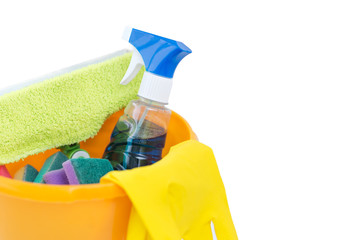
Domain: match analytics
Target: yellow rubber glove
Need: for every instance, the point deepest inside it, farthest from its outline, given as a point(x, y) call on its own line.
point(178, 197)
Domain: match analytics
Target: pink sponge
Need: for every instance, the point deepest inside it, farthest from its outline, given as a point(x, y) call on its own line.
point(4, 172)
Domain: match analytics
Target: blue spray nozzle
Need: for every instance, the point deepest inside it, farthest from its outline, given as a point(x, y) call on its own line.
point(160, 56)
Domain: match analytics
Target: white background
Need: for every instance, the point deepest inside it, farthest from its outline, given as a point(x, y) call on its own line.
point(272, 86)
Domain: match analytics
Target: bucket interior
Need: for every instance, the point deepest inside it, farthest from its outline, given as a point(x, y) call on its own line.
point(178, 131)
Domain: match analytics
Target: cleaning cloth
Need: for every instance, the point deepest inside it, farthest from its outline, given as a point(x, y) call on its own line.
point(177, 197)
point(63, 108)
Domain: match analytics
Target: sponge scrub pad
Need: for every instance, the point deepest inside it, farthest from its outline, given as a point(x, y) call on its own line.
point(27, 173)
point(54, 162)
point(86, 170)
point(64, 109)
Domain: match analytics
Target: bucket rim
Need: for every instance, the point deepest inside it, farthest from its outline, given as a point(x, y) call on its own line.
point(59, 193)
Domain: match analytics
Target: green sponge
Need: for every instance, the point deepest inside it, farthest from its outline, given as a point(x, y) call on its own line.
point(27, 173)
point(63, 109)
point(86, 170)
point(54, 162)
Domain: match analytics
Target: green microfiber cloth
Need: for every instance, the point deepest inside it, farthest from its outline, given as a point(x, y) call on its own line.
point(63, 109)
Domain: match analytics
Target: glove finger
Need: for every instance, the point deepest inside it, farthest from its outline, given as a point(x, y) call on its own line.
point(225, 228)
point(148, 237)
point(136, 229)
point(202, 232)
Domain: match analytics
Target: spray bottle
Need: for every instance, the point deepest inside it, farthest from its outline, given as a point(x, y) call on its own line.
point(139, 136)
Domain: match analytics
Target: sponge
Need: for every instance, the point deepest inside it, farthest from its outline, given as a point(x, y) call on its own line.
point(54, 162)
point(64, 108)
point(86, 170)
point(4, 172)
point(56, 177)
point(27, 173)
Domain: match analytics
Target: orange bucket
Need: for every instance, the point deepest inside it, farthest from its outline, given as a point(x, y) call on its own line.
point(31, 211)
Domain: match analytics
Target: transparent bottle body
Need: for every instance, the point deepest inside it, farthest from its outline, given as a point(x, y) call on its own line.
point(139, 136)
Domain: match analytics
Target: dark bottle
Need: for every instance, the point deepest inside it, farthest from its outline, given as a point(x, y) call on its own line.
point(139, 136)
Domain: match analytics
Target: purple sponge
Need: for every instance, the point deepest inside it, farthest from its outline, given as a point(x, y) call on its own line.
point(56, 177)
point(86, 170)
point(70, 173)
